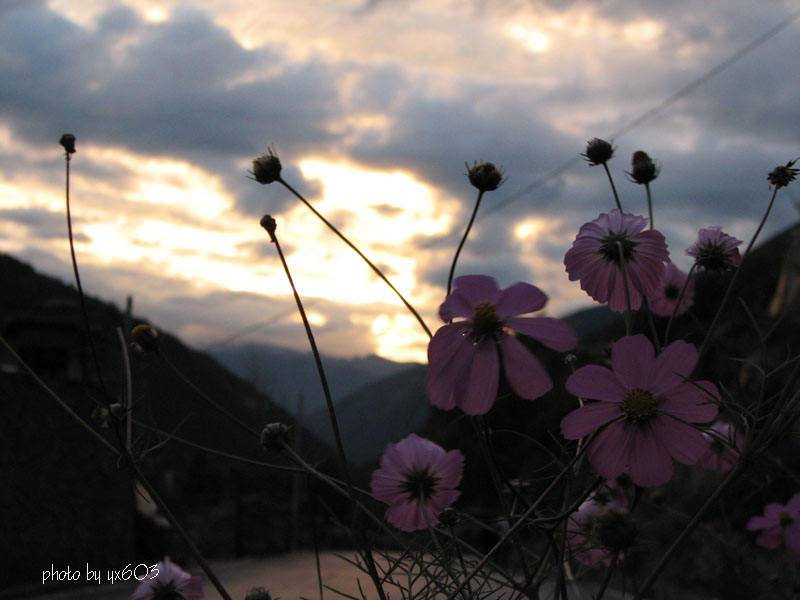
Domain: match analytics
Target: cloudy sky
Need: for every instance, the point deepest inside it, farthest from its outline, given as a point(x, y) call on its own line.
point(374, 107)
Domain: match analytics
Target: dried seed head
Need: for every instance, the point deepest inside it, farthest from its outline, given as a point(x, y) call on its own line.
point(268, 223)
point(267, 168)
point(782, 175)
point(258, 593)
point(615, 529)
point(598, 152)
point(485, 176)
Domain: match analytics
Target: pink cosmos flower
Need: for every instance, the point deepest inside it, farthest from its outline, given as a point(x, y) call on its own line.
point(463, 356)
point(647, 406)
point(715, 250)
point(722, 456)
point(168, 581)
point(669, 288)
point(610, 498)
point(595, 259)
point(416, 479)
point(780, 524)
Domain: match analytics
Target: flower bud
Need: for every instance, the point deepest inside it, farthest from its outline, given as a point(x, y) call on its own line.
point(598, 152)
point(484, 176)
point(275, 435)
point(144, 338)
point(267, 168)
point(268, 223)
point(782, 175)
point(258, 593)
point(68, 141)
point(615, 529)
point(644, 170)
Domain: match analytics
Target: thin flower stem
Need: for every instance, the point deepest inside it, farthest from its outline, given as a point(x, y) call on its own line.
point(628, 324)
point(677, 304)
point(201, 561)
point(332, 412)
point(728, 291)
point(609, 574)
point(649, 203)
point(613, 187)
point(81, 296)
point(520, 522)
point(377, 271)
point(128, 403)
point(461, 243)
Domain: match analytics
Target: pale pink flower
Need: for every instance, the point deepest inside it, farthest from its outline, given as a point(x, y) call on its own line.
point(669, 288)
point(715, 250)
point(646, 406)
point(418, 480)
point(722, 455)
point(463, 355)
point(168, 581)
point(779, 525)
point(595, 259)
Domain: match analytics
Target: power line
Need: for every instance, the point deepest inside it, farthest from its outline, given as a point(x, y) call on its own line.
point(635, 122)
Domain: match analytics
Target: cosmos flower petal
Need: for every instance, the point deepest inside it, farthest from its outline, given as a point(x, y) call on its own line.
point(632, 358)
point(672, 366)
point(692, 402)
point(170, 574)
point(584, 420)
point(477, 288)
point(650, 463)
point(610, 449)
point(524, 372)
point(519, 299)
point(553, 333)
point(597, 383)
point(683, 442)
point(482, 383)
point(770, 538)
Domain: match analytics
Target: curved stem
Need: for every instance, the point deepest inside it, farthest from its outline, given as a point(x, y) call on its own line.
point(81, 296)
point(677, 305)
point(628, 324)
point(377, 271)
point(728, 291)
point(613, 187)
point(461, 243)
point(649, 204)
point(334, 423)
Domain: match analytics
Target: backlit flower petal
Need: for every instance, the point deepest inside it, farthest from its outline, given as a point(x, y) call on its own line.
point(553, 333)
point(610, 450)
point(632, 358)
point(519, 299)
point(584, 420)
point(672, 366)
point(524, 372)
point(484, 374)
point(596, 383)
point(649, 462)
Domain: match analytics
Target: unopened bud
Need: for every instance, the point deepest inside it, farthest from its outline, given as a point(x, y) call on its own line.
point(144, 338)
point(643, 170)
point(598, 152)
point(267, 168)
point(484, 176)
point(268, 223)
point(275, 435)
point(449, 517)
point(68, 141)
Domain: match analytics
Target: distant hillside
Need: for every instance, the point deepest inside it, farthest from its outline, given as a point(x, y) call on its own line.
point(376, 414)
point(284, 374)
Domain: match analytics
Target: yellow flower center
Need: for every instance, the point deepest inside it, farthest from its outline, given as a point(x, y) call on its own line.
point(639, 405)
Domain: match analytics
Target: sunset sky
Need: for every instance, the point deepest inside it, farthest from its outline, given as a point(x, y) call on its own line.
point(374, 107)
